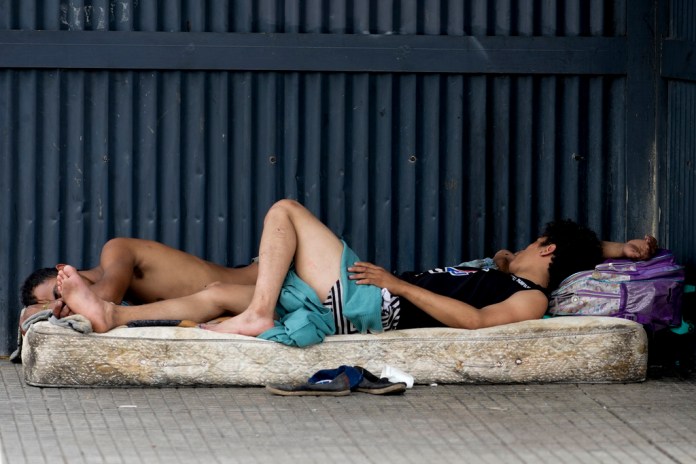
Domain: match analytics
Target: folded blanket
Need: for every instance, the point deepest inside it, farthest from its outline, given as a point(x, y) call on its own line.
point(76, 322)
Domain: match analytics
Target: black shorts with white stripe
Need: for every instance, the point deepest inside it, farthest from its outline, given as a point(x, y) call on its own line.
point(391, 308)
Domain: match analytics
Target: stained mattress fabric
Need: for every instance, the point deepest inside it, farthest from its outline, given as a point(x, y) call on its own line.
point(573, 349)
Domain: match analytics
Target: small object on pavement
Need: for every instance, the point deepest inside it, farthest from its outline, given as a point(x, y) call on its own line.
point(339, 386)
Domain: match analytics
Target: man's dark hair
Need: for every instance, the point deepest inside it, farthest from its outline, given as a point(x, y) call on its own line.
point(577, 249)
point(35, 279)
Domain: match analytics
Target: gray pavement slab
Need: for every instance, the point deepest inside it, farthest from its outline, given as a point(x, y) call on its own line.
point(647, 422)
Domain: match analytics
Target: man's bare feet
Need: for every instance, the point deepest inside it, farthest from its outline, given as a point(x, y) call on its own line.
point(247, 323)
point(81, 300)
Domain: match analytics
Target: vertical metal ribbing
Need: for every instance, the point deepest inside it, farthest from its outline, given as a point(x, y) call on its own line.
point(121, 153)
point(475, 135)
point(569, 150)
point(146, 135)
point(502, 18)
point(420, 165)
point(97, 182)
point(616, 161)
point(312, 13)
point(618, 24)
point(546, 104)
point(49, 182)
point(383, 124)
point(546, 188)
point(597, 16)
point(240, 176)
point(29, 185)
point(681, 171)
point(451, 168)
point(312, 134)
point(475, 144)
point(146, 168)
point(413, 170)
point(7, 12)
point(311, 145)
point(336, 140)
point(264, 136)
point(382, 174)
point(217, 147)
point(500, 181)
point(382, 17)
point(9, 184)
point(358, 172)
point(28, 221)
point(193, 143)
point(596, 135)
point(523, 155)
point(334, 188)
point(410, 191)
point(289, 152)
point(72, 165)
point(169, 182)
point(597, 180)
point(264, 128)
point(193, 161)
point(428, 149)
point(522, 163)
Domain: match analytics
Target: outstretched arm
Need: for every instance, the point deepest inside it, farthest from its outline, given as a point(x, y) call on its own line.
point(637, 249)
point(454, 313)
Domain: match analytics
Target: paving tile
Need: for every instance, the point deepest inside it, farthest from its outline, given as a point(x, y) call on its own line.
point(653, 421)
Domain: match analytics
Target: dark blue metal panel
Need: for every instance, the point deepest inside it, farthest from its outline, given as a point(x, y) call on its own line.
point(414, 169)
point(682, 19)
point(677, 170)
point(680, 172)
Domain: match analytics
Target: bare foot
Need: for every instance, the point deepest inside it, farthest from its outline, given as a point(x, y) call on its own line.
point(247, 323)
point(82, 300)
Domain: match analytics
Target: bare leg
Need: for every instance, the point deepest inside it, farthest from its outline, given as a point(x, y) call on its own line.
point(203, 306)
point(290, 233)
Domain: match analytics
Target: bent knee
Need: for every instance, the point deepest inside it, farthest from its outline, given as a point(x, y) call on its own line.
point(286, 204)
point(286, 207)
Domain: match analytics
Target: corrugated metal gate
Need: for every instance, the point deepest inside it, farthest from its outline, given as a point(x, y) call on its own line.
point(678, 165)
point(423, 132)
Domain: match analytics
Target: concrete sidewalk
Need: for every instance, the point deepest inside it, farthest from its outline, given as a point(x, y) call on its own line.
point(649, 422)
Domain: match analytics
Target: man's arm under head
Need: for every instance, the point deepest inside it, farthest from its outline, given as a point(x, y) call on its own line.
point(636, 249)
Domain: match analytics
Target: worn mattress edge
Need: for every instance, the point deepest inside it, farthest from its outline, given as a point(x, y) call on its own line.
point(571, 349)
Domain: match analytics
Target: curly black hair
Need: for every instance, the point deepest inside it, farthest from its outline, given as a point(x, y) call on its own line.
point(35, 279)
point(577, 249)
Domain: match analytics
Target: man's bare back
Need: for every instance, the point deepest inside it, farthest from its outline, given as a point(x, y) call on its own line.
point(158, 272)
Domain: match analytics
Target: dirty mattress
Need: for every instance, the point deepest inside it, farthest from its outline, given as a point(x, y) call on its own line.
point(565, 349)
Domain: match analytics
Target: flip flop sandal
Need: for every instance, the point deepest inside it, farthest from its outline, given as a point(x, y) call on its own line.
point(374, 385)
point(338, 386)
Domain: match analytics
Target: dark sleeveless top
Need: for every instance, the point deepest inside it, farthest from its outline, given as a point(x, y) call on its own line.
point(477, 287)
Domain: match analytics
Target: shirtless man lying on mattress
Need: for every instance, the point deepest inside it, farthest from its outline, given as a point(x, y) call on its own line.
point(133, 270)
point(301, 260)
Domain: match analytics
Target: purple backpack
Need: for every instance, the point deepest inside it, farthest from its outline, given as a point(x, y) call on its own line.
point(648, 292)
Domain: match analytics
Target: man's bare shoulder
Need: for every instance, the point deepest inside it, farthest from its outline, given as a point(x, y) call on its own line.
point(137, 248)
